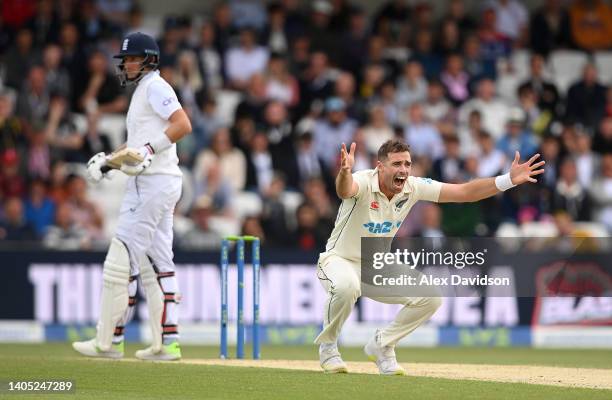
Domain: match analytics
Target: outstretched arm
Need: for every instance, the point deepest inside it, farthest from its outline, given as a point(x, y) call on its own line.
point(483, 188)
point(346, 187)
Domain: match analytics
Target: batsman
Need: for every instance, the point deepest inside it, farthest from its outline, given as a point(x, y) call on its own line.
point(141, 250)
point(387, 193)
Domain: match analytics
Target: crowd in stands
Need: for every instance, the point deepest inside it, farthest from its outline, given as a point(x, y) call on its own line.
point(274, 88)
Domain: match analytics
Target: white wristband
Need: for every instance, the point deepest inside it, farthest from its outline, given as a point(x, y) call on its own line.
point(504, 182)
point(161, 144)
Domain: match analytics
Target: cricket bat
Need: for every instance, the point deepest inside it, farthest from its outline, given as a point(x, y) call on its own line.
point(120, 157)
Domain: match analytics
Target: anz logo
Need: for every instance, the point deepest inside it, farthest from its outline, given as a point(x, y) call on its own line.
point(381, 227)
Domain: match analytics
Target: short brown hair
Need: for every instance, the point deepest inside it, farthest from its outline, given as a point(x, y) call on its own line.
point(392, 146)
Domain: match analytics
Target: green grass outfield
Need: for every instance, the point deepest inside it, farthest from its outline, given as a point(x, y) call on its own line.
point(141, 380)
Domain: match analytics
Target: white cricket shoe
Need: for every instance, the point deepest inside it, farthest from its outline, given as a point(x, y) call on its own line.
point(90, 349)
point(330, 359)
point(169, 352)
point(383, 356)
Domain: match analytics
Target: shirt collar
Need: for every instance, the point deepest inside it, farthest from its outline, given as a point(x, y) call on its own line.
point(149, 75)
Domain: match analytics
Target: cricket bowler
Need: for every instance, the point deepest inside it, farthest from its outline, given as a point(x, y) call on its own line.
point(387, 193)
point(142, 247)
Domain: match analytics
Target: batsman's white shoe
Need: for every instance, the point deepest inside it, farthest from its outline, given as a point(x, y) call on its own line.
point(169, 352)
point(90, 349)
point(330, 359)
point(383, 356)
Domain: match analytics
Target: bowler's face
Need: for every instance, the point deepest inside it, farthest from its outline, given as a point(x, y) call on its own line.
point(394, 171)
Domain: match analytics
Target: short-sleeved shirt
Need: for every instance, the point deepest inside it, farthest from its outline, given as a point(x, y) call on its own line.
point(371, 214)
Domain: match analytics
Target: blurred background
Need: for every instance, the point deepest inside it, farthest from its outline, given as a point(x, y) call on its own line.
point(272, 89)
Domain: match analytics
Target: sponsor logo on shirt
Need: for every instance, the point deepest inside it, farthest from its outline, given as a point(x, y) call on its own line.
point(374, 205)
point(381, 227)
point(168, 101)
point(427, 180)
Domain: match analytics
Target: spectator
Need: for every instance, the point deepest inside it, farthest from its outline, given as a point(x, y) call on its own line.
point(494, 44)
point(57, 188)
point(412, 85)
point(92, 24)
point(517, 138)
point(602, 143)
point(245, 60)
point(44, 24)
point(455, 79)
point(386, 98)
point(586, 100)
point(39, 208)
point(85, 213)
point(201, 236)
point(569, 195)
point(273, 211)
point(33, 101)
point(38, 156)
point(14, 226)
point(333, 130)
point(449, 168)
point(255, 100)
point(73, 56)
point(209, 59)
point(65, 234)
point(222, 23)
point(344, 88)
point(391, 19)
point(373, 78)
point(94, 141)
point(423, 137)
point(187, 79)
point(18, 59)
point(204, 120)
point(260, 164)
point(279, 130)
point(587, 161)
point(280, 84)
point(537, 120)
point(12, 135)
point(100, 91)
point(492, 161)
point(512, 20)
point(470, 135)
point(275, 33)
point(431, 222)
point(550, 150)
point(62, 134)
point(354, 41)
point(549, 28)
point(378, 130)
point(591, 24)
point(58, 80)
point(319, 30)
point(436, 107)
point(449, 39)
point(310, 234)
point(475, 64)
point(12, 182)
point(310, 165)
point(456, 12)
point(317, 82)
point(601, 193)
point(546, 92)
point(220, 171)
point(425, 54)
point(251, 226)
point(316, 195)
point(491, 108)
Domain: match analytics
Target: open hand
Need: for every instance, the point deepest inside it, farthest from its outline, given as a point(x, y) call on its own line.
point(521, 173)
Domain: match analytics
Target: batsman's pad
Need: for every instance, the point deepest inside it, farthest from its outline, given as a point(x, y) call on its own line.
point(115, 297)
point(155, 302)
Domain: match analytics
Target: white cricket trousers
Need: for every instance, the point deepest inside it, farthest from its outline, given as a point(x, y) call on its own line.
point(145, 227)
point(341, 279)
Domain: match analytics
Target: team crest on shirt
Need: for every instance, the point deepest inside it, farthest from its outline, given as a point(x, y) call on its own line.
point(400, 204)
point(374, 205)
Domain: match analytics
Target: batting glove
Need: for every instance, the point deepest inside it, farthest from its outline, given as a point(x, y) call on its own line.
point(94, 167)
point(147, 158)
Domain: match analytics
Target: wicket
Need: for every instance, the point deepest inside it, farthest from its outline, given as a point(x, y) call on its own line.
point(255, 260)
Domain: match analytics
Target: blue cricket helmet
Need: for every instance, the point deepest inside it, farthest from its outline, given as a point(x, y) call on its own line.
point(137, 44)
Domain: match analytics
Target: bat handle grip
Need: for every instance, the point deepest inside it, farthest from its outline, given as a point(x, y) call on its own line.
point(105, 169)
